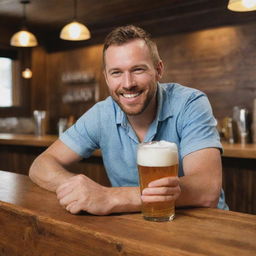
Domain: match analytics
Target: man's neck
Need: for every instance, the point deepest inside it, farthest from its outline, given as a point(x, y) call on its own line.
point(140, 123)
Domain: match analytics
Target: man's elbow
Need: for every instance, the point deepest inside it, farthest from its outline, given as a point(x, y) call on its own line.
point(210, 202)
point(211, 198)
point(33, 170)
point(36, 173)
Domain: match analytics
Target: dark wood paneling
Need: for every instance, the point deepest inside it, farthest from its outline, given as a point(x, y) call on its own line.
point(220, 62)
point(18, 159)
point(59, 64)
point(239, 183)
point(39, 83)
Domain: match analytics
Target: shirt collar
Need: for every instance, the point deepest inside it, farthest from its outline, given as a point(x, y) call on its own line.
point(162, 112)
point(165, 108)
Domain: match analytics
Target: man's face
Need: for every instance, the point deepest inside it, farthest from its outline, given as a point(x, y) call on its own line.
point(131, 76)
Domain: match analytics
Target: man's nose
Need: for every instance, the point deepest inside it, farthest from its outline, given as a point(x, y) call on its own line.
point(128, 80)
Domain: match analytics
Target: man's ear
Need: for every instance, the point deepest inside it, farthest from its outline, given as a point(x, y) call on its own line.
point(159, 69)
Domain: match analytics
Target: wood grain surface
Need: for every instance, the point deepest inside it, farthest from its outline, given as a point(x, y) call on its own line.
point(33, 223)
point(239, 150)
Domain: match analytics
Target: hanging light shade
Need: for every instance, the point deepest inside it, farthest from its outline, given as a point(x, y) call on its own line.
point(242, 5)
point(23, 38)
point(75, 31)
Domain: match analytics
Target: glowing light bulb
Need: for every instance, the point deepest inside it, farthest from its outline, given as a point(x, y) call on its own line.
point(27, 73)
point(74, 30)
point(24, 38)
point(249, 3)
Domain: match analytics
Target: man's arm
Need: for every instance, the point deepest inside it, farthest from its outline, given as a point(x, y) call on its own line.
point(78, 192)
point(200, 186)
point(48, 169)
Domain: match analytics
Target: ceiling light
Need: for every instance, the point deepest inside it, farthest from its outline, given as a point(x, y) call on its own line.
point(75, 31)
point(27, 73)
point(24, 38)
point(242, 5)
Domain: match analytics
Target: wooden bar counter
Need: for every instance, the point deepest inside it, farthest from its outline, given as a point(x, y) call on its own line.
point(17, 152)
point(33, 223)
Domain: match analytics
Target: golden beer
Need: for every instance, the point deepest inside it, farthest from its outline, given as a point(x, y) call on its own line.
point(157, 160)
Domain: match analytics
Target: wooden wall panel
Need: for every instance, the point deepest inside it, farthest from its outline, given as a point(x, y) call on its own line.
point(71, 62)
point(18, 158)
point(219, 61)
point(39, 83)
point(239, 176)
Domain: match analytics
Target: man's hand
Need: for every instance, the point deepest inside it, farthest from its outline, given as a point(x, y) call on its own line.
point(162, 190)
point(81, 193)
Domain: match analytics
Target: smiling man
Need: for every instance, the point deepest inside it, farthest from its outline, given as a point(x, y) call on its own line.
point(139, 109)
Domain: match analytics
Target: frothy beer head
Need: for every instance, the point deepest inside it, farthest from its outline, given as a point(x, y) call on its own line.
point(157, 153)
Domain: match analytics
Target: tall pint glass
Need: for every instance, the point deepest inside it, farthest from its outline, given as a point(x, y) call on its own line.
point(157, 159)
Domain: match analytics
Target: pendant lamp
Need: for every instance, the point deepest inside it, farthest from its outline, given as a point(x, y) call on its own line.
point(27, 73)
point(75, 31)
point(242, 5)
point(24, 38)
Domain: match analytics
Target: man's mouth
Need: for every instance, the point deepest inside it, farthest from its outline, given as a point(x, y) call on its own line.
point(130, 95)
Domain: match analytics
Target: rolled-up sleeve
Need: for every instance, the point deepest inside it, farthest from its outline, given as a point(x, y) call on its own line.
point(83, 136)
point(198, 125)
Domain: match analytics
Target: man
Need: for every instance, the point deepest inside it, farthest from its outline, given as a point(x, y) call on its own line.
point(139, 109)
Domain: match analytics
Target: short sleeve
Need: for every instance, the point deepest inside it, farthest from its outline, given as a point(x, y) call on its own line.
point(198, 125)
point(83, 137)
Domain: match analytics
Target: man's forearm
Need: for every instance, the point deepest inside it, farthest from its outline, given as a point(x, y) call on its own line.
point(200, 191)
point(46, 172)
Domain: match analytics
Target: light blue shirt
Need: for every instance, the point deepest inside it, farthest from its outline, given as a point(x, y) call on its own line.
point(184, 116)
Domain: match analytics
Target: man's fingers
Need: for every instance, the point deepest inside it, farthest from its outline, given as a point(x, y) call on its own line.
point(73, 207)
point(62, 187)
point(165, 182)
point(69, 198)
point(64, 192)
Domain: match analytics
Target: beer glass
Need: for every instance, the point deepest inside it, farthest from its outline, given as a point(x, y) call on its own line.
point(157, 159)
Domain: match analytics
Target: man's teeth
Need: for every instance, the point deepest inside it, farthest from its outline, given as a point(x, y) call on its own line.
point(131, 95)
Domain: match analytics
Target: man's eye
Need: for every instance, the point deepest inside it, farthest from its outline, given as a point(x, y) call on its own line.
point(138, 70)
point(115, 73)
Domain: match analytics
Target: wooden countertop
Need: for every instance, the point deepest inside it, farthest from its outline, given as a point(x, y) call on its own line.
point(26, 139)
point(31, 140)
point(239, 150)
point(230, 150)
point(33, 223)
